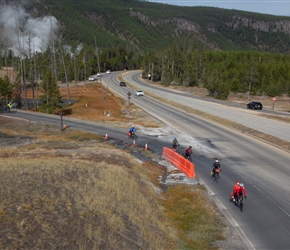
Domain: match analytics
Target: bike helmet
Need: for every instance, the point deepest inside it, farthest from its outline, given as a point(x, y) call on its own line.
point(190, 146)
point(242, 184)
point(238, 183)
point(216, 160)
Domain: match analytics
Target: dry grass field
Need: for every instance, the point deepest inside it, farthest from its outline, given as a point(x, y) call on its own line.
point(99, 105)
point(74, 191)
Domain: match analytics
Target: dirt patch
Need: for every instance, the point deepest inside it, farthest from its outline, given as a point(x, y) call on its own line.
point(96, 104)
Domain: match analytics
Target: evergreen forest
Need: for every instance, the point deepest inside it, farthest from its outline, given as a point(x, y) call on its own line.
point(224, 68)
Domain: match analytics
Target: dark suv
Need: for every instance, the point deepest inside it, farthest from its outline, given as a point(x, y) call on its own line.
point(255, 105)
point(123, 84)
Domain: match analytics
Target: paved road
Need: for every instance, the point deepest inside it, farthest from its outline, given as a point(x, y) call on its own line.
point(236, 113)
point(264, 169)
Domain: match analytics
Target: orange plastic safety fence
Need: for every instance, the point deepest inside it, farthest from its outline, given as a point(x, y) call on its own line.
point(179, 161)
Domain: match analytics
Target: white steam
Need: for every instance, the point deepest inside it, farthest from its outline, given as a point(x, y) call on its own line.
point(19, 29)
point(68, 49)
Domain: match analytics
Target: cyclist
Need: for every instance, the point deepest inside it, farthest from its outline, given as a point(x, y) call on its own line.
point(132, 130)
point(215, 166)
point(188, 152)
point(241, 192)
point(235, 190)
point(9, 106)
point(175, 143)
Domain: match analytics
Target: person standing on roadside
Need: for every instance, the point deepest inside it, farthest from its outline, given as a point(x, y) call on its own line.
point(9, 106)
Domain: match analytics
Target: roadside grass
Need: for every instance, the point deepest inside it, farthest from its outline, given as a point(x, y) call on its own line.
point(73, 190)
point(95, 104)
point(280, 118)
point(195, 219)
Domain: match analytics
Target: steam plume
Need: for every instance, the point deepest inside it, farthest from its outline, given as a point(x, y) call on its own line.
point(18, 26)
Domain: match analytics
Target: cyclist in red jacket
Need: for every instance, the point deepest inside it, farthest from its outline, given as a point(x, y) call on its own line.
point(242, 191)
point(188, 152)
point(235, 190)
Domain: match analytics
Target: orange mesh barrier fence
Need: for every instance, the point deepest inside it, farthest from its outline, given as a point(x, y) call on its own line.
point(179, 161)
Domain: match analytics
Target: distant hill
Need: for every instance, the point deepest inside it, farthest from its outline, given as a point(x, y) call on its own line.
point(146, 25)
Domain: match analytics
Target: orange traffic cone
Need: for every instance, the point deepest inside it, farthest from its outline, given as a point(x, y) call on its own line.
point(146, 147)
point(106, 137)
point(134, 143)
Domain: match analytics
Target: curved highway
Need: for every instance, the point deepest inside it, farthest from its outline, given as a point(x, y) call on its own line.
point(233, 112)
point(264, 169)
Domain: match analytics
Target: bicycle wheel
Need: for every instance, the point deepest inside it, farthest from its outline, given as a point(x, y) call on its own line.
point(241, 206)
point(216, 177)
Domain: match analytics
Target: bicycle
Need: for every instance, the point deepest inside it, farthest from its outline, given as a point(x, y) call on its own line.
point(187, 157)
point(11, 110)
point(175, 148)
point(216, 175)
point(132, 135)
point(239, 202)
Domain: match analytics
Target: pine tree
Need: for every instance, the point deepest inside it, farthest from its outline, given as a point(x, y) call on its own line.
point(51, 97)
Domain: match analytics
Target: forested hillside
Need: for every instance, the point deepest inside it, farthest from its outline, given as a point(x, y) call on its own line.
point(146, 25)
point(51, 41)
point(221, 72)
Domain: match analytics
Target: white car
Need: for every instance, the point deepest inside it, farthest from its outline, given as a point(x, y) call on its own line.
point(92, 78)
point(99, 74)
point(108, 72)
point(139, 93)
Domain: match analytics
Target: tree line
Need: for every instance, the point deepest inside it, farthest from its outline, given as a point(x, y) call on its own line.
point(41, 72)
point(220, 72)
point(184, 63)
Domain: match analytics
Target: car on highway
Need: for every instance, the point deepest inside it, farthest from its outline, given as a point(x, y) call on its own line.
point(99, 74)
point(255, 105)
point(122, 84)
point(139, 93)
point(108, 72)
point(92, 78)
